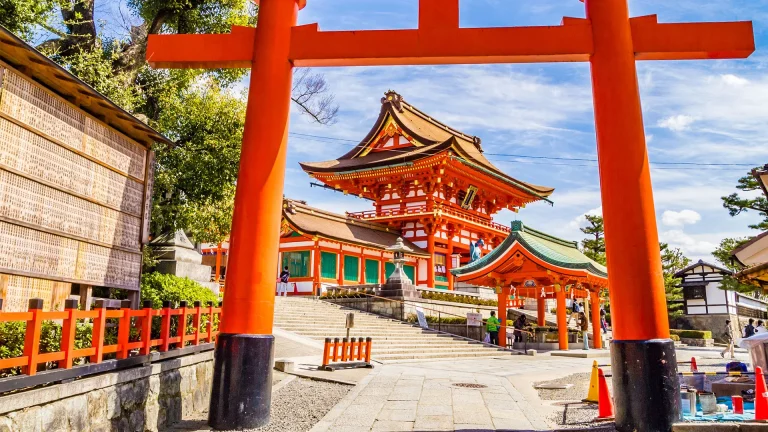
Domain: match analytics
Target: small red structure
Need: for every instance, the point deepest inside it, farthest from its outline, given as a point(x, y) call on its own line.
point(540, 266)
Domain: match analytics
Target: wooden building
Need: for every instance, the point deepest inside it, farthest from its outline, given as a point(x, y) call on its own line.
point(706, 306)
point(322, 249)
point(753, 255)
point(431, 183)
point(75, 184)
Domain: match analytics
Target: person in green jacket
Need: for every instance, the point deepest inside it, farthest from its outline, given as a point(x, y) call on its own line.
point(493, 325)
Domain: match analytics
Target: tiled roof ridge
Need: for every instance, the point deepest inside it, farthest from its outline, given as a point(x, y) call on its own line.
point(399, 100)
point(305, 208)
point(544, 236)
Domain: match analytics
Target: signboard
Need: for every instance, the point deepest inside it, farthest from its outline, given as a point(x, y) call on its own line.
point(474, 319)
point(421, 317)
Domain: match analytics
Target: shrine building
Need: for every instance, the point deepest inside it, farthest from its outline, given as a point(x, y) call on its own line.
point(533, 265)
point(429, 183)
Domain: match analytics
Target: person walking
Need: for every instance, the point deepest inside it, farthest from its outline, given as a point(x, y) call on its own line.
point(282, 285)
point(749, 329)
point(584, 324)
point(603, 321)
point(493, 325)
point(760, 328)
point(574, 312)
point(728, 336)
point(520, 324)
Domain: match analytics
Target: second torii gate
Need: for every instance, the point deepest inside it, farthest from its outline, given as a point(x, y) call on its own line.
point(607, 38)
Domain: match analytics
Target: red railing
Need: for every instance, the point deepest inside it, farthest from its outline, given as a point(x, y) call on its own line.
point(397, 212)
point(129, 319)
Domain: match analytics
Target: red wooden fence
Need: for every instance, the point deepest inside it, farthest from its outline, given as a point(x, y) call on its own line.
point(124, 348)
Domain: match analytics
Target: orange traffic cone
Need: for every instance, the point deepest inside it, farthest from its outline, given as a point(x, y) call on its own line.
point(694, 367)
point(605, 402)
point(761, 395)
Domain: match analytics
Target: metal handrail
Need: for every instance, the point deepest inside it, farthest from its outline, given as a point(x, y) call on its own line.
point(504, 325)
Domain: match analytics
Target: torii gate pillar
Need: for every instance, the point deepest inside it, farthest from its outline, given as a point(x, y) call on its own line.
point(642, 347)
point(242, 380)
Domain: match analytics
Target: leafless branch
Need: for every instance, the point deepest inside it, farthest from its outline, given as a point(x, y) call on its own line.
point(311, 93)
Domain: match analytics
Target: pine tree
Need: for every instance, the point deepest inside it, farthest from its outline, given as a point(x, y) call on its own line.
point(594, 248)
point(672, 261)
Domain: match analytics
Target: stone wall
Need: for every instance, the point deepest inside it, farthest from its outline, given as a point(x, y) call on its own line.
point(713, 322)
point(431, 307)
point(145, 398)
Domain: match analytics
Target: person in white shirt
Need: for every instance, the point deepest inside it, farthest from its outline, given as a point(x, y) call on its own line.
point(760, 328)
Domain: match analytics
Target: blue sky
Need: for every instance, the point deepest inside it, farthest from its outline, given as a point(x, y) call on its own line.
point(702, 112)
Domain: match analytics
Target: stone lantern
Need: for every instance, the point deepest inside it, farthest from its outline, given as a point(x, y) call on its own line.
point(398, 284)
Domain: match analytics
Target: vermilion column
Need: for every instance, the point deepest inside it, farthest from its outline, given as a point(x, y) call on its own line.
point(641, 346)
point(242, 382)
point(594, 300)
point(502, 315)
point(562, 320)
point(541, 311)
point(431, 262)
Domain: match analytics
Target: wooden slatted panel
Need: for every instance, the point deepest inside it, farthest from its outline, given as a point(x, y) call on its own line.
point(33, 203)
point(36, 107)
point(40, 159)
point(114, 149)
point(36, 253)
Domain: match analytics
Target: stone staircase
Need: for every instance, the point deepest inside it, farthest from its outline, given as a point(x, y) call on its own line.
point(393, 341)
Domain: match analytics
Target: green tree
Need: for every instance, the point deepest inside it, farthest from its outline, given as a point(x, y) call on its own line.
point(737, 204)
point(594, 248)
point(723, 252)
point(198, 109)
point(672, 261)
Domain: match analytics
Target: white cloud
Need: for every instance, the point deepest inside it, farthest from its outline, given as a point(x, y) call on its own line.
point(691, 246)
point(648, 138)
point(734, 80)
point(681, 218)
point(677, 123)
point(581, 219)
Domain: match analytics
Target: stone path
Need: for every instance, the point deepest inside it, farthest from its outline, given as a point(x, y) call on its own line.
point(434, 396)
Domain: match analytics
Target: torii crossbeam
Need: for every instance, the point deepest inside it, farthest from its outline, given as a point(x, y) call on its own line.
point(608, 38)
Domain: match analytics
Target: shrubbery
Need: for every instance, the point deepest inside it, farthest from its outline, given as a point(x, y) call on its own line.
point(159, 287)
point(692, 334)
point(447, 297)
point(675, 337)
point(433, 319)
point(154, 286)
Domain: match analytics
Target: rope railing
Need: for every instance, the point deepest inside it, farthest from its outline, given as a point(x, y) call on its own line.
point(503, 323)
point(130, 321)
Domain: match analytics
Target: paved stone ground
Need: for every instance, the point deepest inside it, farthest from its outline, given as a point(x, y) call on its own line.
point(426, 396)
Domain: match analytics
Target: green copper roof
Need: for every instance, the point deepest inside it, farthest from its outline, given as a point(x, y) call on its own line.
point(553, 250)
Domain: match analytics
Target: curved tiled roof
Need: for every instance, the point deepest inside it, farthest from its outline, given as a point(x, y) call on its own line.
point(550, 249)
point(433, 137)
point(315, 222)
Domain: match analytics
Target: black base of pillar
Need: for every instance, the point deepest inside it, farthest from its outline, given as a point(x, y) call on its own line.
point(646, 388)
point(242, 382)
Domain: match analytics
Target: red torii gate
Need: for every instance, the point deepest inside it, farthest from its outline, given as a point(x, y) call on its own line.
point(607, 38)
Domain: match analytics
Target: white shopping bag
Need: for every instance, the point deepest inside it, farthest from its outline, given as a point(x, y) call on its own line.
point(487, 338)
